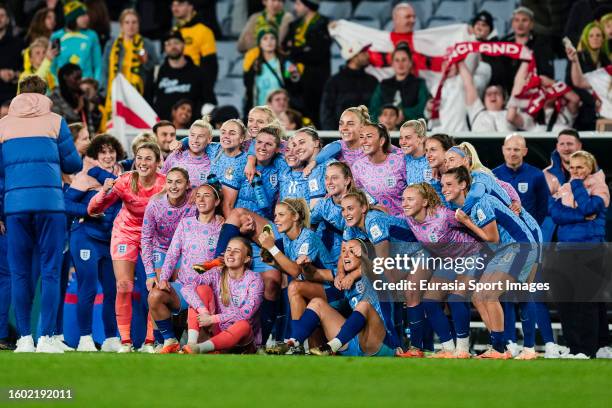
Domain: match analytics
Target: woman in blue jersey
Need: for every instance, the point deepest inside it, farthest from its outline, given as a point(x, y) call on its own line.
point(369, 223)
point(326, 217)
point(436, 146)
point(368, 330)
point(300, 245)
point(412, 142)
point(90, 243)
point(492, 222)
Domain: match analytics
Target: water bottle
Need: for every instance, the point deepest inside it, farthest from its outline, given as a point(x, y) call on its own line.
point(260, 195)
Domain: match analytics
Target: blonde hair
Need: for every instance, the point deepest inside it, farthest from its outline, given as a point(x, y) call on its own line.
point(126, 12)
point(472, 155)
point(361, 111)
point(154, 147)
point(42, 42)
point(588, 157)
point(265, 109)
point(428, 193)
point(203, 123)
point(298, 206)
point(141, 138)
point(419, 126)
point(224, 289)
point(239, 123)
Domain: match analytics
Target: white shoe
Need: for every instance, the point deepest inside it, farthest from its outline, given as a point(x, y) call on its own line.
point(147, 348)
point(111, 345)
point(579, 356)
point(59, 341)
point(126, 348)
point(604, 352)
point(25, 344)
point(513, 348)
point(552, 350)
point(48, 344)
point(86, 343)
point(158, 347)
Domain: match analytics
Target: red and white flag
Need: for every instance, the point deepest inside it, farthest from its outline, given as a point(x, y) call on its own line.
point(430, 47)
point(131, 112)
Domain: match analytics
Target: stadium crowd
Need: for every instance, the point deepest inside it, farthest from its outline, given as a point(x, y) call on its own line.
point(265, 243)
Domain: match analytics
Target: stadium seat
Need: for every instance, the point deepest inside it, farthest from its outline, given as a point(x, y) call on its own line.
point(501, 12)
point(227, 49)
point(336, 64)
point(336, 10)
point(423, 9)
point(460, 10)
point(229, 86)
point(367, 21)
point(335, 50)
point(438, 21)
point(233, 100)
point(380, 10)
point(224, 65)
point(560, 66)
point(224, 9)
point(236, 70)
point(388, 25)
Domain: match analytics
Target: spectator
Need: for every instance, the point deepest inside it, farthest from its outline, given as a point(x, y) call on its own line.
point(266, 70)
point(592, 54)
point(404, 18)
point(37, 60)
point(11, 61)
point(351, 86)
point(406, 91)
point(4, 107)
point(390, 116)
point(274, 15)
point(130, 54)
point(504, 71)
point(221, 114)
point(80, 137)
point(295, 120)
point(606, 23)
point(77, 45)
point(489, 116)
point(42, 25)
point(99, 20)
point(581, 14)
point(94, 101)
point(177, 78)
point(35, 141)
point(68, 98)
point(557, 111)
point(598, 82)
point(199, 39)
point(23, 19)
point(482, 27)
point(181, 114)
point(166, 133)
point(278, 101)
point(308, 44)
point(580, 211)
point(557, 174)
point(155, 19)
point(527, 180)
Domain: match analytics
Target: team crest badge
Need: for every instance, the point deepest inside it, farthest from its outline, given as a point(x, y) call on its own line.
point(273, 180)
point(427, 175)
point(229, 173)
point(303, 249)
point(85, 254)
point(359, 287)
point(211, 242)
point(313, 185)
point(391, 181)
point(523, 187)
point(157, 257)
point(122, 248)
point(203, 176)
point(375, 231)
point(481, 215)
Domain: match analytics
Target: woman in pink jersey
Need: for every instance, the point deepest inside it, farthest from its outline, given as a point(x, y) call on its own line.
point(381, 173)
point(444, 238)
point(135, 189)
point(193, 242)
point(196, 157)
point(226, 305)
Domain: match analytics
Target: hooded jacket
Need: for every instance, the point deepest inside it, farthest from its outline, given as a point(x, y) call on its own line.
point(35, 148)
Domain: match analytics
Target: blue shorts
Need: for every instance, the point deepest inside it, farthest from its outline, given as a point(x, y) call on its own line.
point(334, 296)
point(257, 265)
point(354, 350)
point(514, 259)
point(177, 286)
point(159, 258)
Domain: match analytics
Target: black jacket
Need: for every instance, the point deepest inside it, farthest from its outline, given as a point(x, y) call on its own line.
point(170, 85)
point(10, 50)
point(347, 88)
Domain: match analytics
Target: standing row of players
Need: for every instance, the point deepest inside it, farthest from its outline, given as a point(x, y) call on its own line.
point(255, 227)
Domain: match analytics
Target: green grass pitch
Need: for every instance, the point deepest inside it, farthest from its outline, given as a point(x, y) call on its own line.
point(111, 380)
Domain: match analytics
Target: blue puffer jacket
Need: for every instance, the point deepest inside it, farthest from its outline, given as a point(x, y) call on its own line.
point(35, 148)
point(572, 223)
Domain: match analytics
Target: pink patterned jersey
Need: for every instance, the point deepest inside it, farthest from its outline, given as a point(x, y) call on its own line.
point(198, 167)
point(385, 181)
point(160, 221)
point(193, 242)
point(349, 156)
point(514, 196)
point(441, 227)
point(246, 295)
point(128, 223)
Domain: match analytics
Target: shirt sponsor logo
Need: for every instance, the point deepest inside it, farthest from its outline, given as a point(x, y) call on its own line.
point(85, 254)
point(480, 215)
point(523, 187)
point(375, 231)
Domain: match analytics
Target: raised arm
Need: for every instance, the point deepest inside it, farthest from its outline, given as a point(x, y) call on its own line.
point(468, 82)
